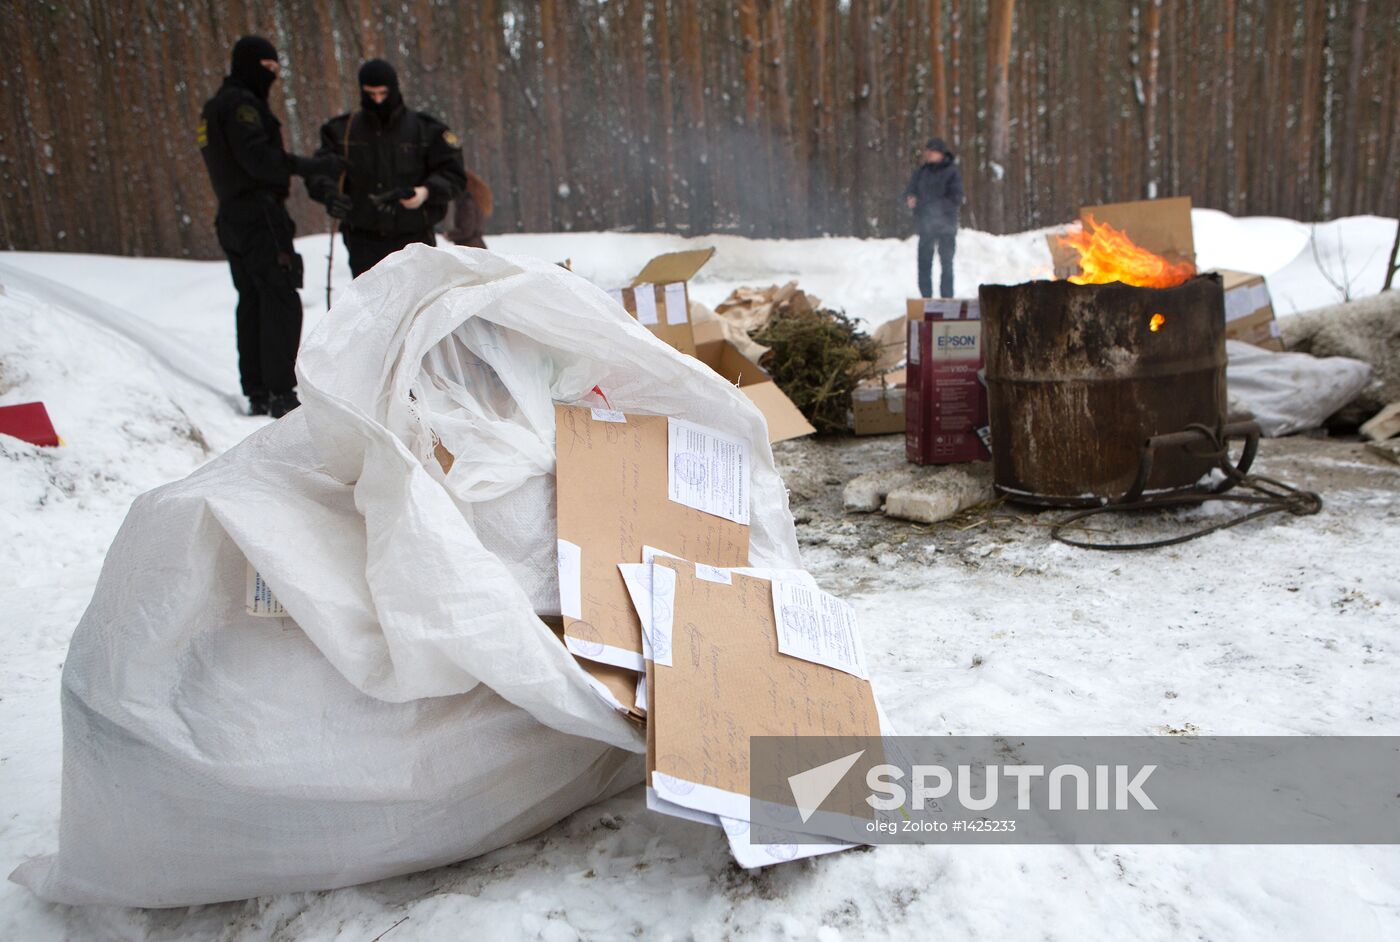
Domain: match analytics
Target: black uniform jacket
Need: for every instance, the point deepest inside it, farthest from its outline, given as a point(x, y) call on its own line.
point(410, 149)
point(241, 142)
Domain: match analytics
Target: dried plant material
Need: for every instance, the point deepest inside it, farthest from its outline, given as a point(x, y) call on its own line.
point(817, 358)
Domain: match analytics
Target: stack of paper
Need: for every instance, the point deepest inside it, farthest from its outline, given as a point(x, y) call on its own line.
point(661, 610)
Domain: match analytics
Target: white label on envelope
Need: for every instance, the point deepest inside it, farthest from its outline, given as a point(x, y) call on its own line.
point(675, 303)
point(817, 627)
point(258, 597)
point(713, 574)
point(570, 580)
point(646, 304)
point(708, 470)
point(609, 415)
point(663, 607)
point(637, 578)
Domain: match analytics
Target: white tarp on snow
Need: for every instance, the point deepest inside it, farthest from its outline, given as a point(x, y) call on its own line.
point(413, 710)
point(1290, 392)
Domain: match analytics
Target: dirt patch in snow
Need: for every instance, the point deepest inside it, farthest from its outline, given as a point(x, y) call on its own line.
point(816, 470)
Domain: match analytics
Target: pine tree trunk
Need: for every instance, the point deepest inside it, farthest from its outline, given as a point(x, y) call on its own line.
point(496, 172)
point(661, 34)
point(939, 81)
point(862, 113)
point(999, 26)
point(781, 178)
point(556, 154)
point(699, 176)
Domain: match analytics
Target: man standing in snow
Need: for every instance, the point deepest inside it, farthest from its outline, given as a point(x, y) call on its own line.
point(405, 168)
point(241, 142)
point(935, 194)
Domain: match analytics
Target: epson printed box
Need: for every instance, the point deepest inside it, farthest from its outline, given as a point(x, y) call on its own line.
point(945, 399)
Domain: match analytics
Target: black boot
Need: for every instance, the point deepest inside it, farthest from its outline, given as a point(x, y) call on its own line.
point(257, 405)
point(279, 404)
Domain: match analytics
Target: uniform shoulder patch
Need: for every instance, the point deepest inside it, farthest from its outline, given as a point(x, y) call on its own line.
point(247, 114)
point(451, 139)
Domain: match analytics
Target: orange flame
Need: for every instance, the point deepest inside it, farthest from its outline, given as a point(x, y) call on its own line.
point(1156, 322)
point(1106, 254)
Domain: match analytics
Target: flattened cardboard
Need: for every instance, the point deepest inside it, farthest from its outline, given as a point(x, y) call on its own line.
point(620, 683)
point(877, 408)
point(785, 420)
point(672, 267)
point(611, 483)
point(728, 682)
point(1249, 310)
point(1160, 226)
point(1064, 261)
point(889, 338)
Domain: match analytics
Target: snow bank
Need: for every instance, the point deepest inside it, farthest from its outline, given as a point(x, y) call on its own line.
point(192, 302)
point(1295, 637)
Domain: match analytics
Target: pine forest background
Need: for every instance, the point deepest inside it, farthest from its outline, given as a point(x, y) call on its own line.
point(757, 117)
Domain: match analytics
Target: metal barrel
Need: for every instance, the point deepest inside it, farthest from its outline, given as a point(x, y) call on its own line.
point(1078, 379)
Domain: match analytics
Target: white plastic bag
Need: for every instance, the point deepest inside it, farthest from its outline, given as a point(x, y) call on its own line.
point(1290, 392)
point(413, 709)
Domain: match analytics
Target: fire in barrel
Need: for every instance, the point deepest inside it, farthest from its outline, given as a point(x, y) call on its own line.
point(1081, 373)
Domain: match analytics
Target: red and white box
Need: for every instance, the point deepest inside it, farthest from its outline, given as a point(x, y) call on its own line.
point(945, 398)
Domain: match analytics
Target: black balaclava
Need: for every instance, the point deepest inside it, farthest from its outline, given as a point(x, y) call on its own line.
point(374, 73)
point(247, 69)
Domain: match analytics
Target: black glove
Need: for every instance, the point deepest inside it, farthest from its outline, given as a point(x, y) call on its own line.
point(326, 165)
point(338, 205)
point(386, 201)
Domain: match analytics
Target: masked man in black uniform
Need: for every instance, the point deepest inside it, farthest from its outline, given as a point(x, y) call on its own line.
point(241, 142)
point(405, 169)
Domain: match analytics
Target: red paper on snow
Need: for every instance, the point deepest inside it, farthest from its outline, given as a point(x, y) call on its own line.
point(28, 421)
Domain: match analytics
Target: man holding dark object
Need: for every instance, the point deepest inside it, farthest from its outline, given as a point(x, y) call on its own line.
point(241, 142)
point(405, 167)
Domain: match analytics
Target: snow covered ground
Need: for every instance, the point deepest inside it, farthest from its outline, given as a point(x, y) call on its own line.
point(1285, 627)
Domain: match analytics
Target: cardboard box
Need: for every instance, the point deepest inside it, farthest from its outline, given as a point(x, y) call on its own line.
point(945, 399)
point(785, 420)
point(660, 298)
point(1249, 310)
point(877, 405)
point(1163, 227)
point(943, 309)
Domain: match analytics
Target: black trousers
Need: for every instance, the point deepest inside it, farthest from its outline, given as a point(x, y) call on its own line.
point(259, 249)
point(945, 243)
point(368, 249)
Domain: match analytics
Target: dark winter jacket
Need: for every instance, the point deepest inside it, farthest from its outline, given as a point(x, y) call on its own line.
point(241, 142)
point(938, 190)
point(409, 149)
